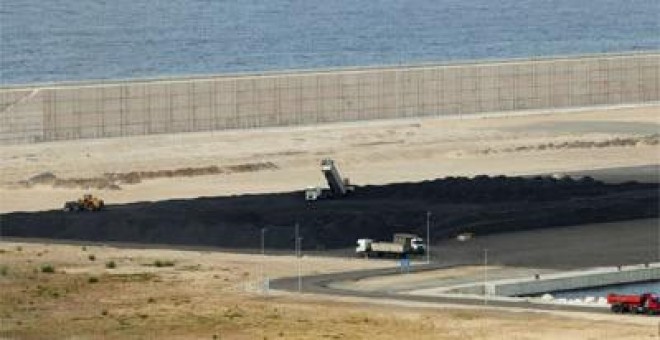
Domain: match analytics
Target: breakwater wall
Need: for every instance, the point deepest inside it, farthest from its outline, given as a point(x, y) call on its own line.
point(142, 107)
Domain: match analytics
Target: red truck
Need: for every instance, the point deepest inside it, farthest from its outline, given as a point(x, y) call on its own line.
point(646, 303)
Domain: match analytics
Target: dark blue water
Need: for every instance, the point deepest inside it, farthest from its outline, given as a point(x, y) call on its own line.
point(632, 288)
point(56, 40)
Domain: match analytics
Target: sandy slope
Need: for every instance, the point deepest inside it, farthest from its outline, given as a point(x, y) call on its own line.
point(368, 152)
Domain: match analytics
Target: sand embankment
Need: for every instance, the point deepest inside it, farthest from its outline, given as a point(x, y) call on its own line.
point(200, 164)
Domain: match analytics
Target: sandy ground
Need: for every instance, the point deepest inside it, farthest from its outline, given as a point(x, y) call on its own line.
point(367, 152)
point(209, 294)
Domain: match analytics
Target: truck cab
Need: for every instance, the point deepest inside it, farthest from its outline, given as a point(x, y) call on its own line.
point(647, 303)
point(417, 246)
point(363, 245)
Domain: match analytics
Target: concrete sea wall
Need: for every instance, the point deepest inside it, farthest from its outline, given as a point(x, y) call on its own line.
point(569, 281)
point(143, 107)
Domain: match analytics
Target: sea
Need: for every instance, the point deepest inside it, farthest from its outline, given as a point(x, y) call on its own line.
point(69, 40)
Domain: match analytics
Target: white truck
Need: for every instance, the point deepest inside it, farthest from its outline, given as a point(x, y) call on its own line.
point(339, 187)
point(402, 245)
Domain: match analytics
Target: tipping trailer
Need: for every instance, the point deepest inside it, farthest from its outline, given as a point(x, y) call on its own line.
point(339, 187)
point(401, 245)
point(647, 303)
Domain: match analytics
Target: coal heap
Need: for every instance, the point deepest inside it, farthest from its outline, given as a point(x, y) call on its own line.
point(481, 205)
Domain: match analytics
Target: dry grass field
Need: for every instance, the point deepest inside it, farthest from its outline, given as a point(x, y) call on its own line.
point(157, 293)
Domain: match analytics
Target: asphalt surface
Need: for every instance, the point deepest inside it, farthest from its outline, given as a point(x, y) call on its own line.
point(320, 284)
point(561, 248)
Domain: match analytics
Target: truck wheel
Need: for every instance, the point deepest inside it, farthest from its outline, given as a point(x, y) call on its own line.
point(616, 308)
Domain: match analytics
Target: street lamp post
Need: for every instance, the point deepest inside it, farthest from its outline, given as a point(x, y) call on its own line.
point(263, 241)
point(262, 282)
point(300, 264)
point(428, 237)
point(485, 276)
point(298, 253)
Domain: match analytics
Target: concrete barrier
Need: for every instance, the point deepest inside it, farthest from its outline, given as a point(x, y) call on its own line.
point(142, 107)
point(571, 280)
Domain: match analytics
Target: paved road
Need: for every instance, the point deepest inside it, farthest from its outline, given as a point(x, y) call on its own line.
point(320, 284)
point(606, 244)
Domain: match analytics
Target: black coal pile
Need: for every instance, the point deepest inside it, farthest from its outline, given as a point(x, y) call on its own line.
point(480, 205)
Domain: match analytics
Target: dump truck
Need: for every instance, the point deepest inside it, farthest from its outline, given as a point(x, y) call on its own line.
point(338, 186)
point(402, 245)
point(86, 203)
point(647, 303)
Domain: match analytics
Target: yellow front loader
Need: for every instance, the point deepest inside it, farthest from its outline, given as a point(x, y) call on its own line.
point(86, 203)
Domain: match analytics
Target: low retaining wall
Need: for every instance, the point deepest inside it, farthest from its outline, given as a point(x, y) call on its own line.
point(570, 281)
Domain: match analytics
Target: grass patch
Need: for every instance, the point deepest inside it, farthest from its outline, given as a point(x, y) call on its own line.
point(358, 319)
point(194, 268)
point(465, 315)
point(93, 279)
point(47, 268)
point(111, 265)
point(4, 270)
point(139, 277)
point(91, 257)
point(47, 291)
point(163, 263)
point(233, 312)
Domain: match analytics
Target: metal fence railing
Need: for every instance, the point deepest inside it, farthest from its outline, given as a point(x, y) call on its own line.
point(73, 111)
